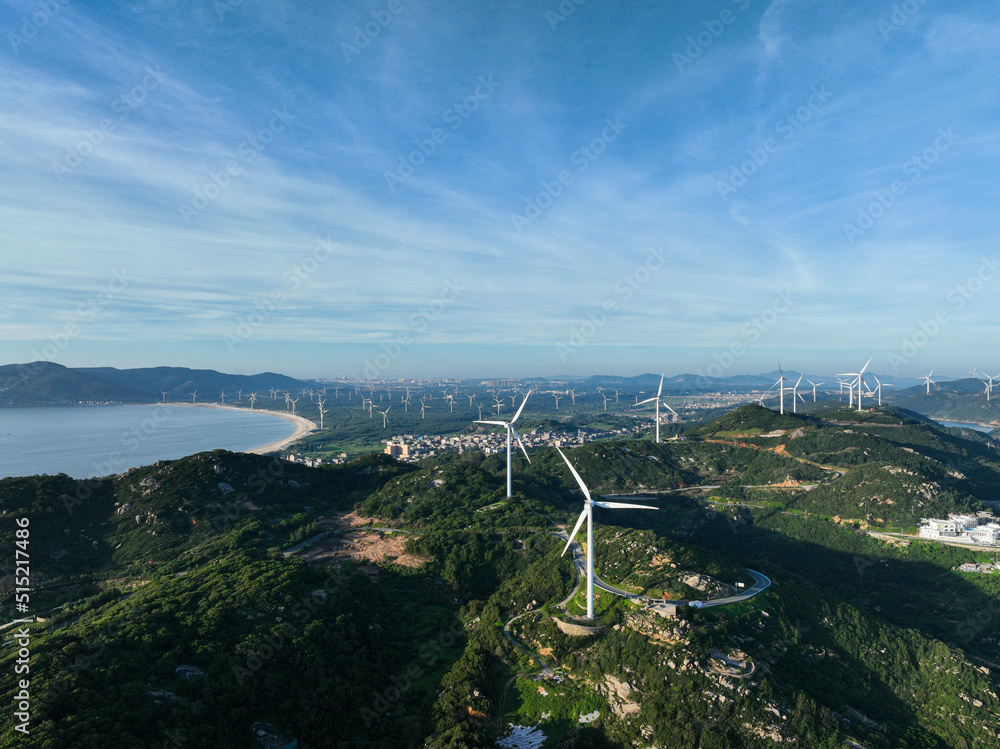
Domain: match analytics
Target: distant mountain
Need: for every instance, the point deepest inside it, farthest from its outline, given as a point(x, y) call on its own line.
point(47, 384)
point(180, 382)
point(959, 400)
point(50, 384)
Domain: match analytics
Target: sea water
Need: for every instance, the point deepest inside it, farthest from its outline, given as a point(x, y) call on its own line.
point(85, 441)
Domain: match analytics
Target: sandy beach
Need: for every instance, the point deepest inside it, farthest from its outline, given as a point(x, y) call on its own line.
point(303, 425)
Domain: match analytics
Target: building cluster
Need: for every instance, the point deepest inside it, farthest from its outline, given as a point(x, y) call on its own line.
point(981, 529)
point(409, 447)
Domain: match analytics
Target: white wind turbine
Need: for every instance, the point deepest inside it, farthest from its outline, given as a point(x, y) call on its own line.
point(860, 381)
point(558, 398)
point(164, 392)
point(423, 407)
point(605, 401)
point(588, 515)
point(385, 417)
point(223, 397)
point(293, 401)
point(928, 381)
point(656, 400)
point(319, 404)
point(816, 385)
point(509, 426)
point(988, 385)
point(796, 396)
point(194, 396)
point(253, 399)
point(878, 388)
point(781, 389)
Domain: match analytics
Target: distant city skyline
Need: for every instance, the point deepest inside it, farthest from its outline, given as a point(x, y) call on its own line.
point(470, 190)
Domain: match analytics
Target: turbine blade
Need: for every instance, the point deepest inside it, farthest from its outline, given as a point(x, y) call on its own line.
point(579, 522)
point(497, 423)
point(660, 391)
point(583, 486)
point(866, 364)
point(623, 506)
point(519, 442)
point(521, 408)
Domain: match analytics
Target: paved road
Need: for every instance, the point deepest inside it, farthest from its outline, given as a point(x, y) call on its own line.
point(546, 671)
point(761, 582)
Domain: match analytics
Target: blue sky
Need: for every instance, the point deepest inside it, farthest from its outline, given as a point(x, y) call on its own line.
point(500, 189)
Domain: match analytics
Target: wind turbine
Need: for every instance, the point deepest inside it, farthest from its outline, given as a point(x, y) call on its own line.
point(253, 399)
point(164, 395)
point(194, 396)
point(928, 381)
point(424, 406)
point(781, 389)
point(657, 401)
point(572, 395)
point(989, 386)
point(588, 515)
point(385, 417)
point(795, 395)
point(557, 400)
point(878, 387)
point(509, 426)
point(860, 381)
point(223, 397)
point(605, 401)
point(816, 385)
point(293, 401)
point(319, 404)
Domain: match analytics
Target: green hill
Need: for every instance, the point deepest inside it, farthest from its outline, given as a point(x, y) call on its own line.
point(180, 607)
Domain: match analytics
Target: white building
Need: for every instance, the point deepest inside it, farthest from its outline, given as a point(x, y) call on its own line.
point(974, 529)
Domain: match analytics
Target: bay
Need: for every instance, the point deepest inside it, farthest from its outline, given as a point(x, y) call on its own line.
point(966, 425)
point(85, 441)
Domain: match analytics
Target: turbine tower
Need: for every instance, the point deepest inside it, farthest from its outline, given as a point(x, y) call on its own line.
point(509, 426)
point(588, 515)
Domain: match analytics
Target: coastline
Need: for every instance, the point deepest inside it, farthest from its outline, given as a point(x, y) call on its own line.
point(303, 425)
